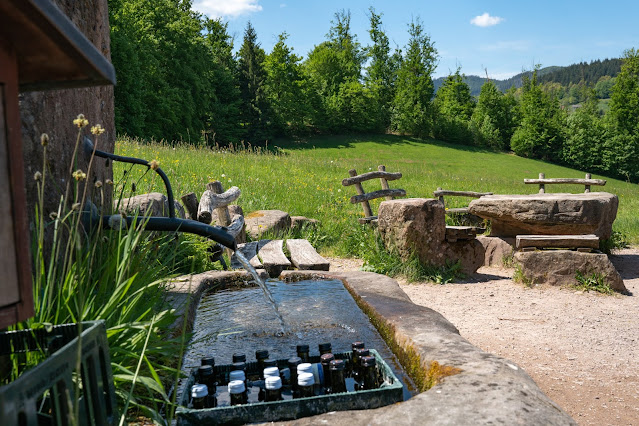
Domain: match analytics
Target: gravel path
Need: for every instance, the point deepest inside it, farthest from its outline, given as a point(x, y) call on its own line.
point(582, 349)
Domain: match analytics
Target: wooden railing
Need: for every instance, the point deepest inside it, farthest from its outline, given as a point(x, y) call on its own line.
point(542, 182)
point(364, 198)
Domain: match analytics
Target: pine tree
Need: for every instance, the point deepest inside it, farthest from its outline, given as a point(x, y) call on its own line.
point(454, 107)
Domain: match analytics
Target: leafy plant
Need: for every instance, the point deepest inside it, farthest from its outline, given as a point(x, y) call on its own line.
point(616, 241)
point(595, 282)
point(519, 277)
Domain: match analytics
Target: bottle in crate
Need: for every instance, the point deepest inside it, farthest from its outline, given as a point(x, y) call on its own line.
point(273, 388)
point(237, 392)
point(338, 379)
point(325, 348)
point(199, 396)
point(306, 385)
point(369, 373)
point(303, 353)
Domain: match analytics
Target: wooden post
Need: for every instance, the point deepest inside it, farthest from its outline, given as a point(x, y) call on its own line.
point(441, 197)
point(588, 176)
point(542, 187)
point(383, 181)
point(190, 202)
point(223, 216)
point(360, 191)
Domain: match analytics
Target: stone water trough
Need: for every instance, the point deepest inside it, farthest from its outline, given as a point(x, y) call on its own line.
point(459, 383)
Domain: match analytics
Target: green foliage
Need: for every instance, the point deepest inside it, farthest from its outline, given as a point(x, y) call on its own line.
point(454, 107)
point(593, 282)
point(519, 277)
point(539, 134)
point(624, 102)
point(255, 108)
point(603, 88)
point(413, 111)
point(617, 240)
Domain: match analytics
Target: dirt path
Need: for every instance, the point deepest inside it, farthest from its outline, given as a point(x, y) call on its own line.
point(582, 349)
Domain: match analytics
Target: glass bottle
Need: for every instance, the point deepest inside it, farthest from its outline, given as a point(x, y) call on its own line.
point(302, 352)
point(270, 363)
point(325, 348)
point(261, 356)
point(325, 360)
point(237, 391)
point(273, 388)
point(271, 372)
point(305, 384)
point(354, 364)
point(206, 376)
point(200, 396)
point(369, 373)
point(338, 381)
point(235, 375)
point(239, 357)
point(292, 365)
point(359, 353)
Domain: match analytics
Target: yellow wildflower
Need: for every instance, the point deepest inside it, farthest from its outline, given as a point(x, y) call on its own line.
point(97, 129)
point(44, 139)
point(80, 121)
point(79, 175)
point(154, 164)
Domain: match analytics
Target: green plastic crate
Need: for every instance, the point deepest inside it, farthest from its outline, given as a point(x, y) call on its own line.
point(390, 392)
point(45, 394)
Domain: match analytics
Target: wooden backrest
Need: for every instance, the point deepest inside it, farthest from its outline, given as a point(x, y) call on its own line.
point(542, 182)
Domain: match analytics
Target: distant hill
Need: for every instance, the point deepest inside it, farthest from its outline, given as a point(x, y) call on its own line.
point(589, 72)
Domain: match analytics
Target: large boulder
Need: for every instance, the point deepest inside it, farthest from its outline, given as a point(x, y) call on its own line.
point(559, 267)
point(273, 222)
point(419, 225)
point(151, 204)
point(548, 214)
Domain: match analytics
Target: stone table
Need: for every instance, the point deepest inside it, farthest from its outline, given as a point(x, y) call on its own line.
point(548, 214)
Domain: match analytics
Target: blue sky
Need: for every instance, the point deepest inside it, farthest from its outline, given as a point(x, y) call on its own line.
point(505, 37)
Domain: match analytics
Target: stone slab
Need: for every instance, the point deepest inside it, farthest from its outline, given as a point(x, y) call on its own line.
point(549, 214)
point(273, 222)
point(304, 256)
point(559, 267)
point(496, 249)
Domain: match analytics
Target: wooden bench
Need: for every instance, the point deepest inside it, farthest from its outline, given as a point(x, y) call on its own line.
point(269, 255)
point(542, 182)
point(583, 243)
point(364, 198)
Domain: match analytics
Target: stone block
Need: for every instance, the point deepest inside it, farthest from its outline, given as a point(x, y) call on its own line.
point(274, 222)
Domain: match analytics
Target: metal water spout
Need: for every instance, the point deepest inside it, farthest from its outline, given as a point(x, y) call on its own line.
point(91, 218)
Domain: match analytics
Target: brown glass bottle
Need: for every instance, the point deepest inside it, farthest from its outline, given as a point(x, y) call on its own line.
point(261, 356)
point(354, 364)
point(305, 385)
point(238, 392)
point(303, 352)
point(292, 365)
point(199, 396)
point(338, 379)
point(357, 368)
point(273, 386)
point(206, 376)
point(325, 348)
point(325, 360)
point(369, 373)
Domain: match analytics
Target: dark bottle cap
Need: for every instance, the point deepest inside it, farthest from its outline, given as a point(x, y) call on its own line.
point(326, 359)
point(208, 360)
point(368, 361)
point(294, 362)
point(337, 364)
point(205, 371)
point(362, 352)
point(261, 354)
point(270, 363)
point(239, 358)
point(302, 348)
point(325, 347)
point(238, 366)
point(357, 345)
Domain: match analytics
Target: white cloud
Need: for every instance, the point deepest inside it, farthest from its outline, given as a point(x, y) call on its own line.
point(226, 8)
point(486, 20)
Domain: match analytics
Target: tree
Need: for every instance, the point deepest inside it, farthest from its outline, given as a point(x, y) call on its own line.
point(539, 134)
point(454, 107)
point(494, 117)
point(381, 72)
point(624, 101)
point(254, 109)
point(284, 87)
point(412, 108)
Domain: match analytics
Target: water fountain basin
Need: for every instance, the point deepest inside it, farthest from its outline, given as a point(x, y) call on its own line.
point(459, 383)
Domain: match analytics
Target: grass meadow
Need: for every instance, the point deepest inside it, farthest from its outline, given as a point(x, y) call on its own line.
point(304, 177)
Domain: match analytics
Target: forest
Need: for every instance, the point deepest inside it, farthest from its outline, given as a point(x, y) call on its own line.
point(180, 78)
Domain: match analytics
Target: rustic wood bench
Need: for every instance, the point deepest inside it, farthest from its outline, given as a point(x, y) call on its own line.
point(269, 255)
point(542, 182)
point(364, 198)
point(583, 243)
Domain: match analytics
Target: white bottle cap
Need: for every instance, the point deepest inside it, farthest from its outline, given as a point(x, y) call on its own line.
point(199, 391)
point(305, 368)
point(236, 386)
point(237, 375)
point(305, 379)
point(271, 371)
point(273, 382)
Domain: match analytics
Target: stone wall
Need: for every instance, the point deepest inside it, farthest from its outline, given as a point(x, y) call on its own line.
point(53, 111)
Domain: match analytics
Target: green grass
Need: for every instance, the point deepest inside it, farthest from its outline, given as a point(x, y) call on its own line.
point(304, 177)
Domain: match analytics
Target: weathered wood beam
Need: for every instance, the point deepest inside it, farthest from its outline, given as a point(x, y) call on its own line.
point(360, 191)
point(190, 202)
point(442, 193)
point(377, 194)
point(355, 179)
point(210, 201)
point(272, 255)
point(304, 256)
point(576, 181)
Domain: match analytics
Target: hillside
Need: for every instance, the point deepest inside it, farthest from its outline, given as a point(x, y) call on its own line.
point(589, 72)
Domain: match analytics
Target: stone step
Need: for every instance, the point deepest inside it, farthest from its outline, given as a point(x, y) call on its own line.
point(589, 241)
point(304, 256)
point(454, 233)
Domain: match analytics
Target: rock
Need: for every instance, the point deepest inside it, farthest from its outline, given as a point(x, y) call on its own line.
point(419, 225)
point(559, 267)
point(262, 221)
point(548, 214)
point(155, 203)
point(496, 249)
point(299, 222)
